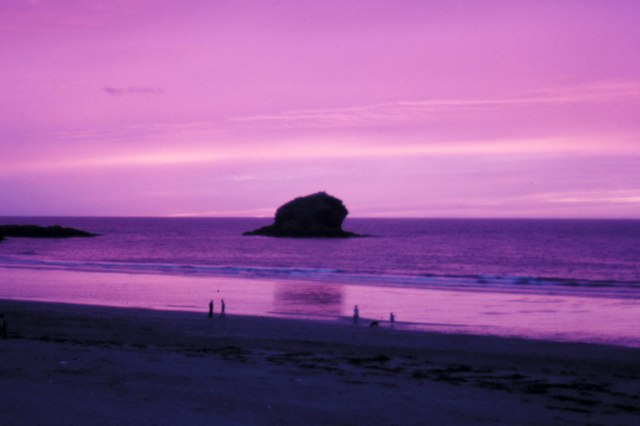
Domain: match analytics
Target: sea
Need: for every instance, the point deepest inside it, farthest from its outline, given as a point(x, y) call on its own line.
point(566, 280)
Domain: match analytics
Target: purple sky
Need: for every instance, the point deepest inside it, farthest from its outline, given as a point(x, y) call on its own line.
point(400, 108)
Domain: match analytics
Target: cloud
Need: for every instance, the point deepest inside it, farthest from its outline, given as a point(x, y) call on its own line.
point(133, 90)
point(258, 212)
point(285, 152)
point(41, 16)
point(622, 196)
point(434, 109)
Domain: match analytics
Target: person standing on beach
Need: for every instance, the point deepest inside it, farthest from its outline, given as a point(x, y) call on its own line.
point(222, 307)
point(392, 318)
point(356, 314)
point(211, 308)
point(3, 327)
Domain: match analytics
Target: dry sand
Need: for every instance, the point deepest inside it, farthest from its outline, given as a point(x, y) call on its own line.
point(73, 364)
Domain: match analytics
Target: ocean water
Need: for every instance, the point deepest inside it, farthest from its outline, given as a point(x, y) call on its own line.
point(557, 279)
point(581, 256)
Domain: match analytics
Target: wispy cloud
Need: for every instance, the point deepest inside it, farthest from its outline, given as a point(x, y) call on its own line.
point(616, 196)
point(258, 212)
point(133, 90)
point(42, 16)
point(430, 109)
point(607, 203)
point(624, 196)
point(309, 151)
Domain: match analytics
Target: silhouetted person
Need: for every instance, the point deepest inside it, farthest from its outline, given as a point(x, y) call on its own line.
point(222, 307)
point(211, 308)
point(392, 318)
point(356, 314)
point(3, 327)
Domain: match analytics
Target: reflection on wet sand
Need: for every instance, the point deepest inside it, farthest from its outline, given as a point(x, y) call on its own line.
point(537, 316)
point(308, 299)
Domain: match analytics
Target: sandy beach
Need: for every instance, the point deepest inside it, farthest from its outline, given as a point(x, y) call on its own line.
point(76, 364)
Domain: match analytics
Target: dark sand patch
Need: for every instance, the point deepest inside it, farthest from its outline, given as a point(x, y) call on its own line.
point(68, 364)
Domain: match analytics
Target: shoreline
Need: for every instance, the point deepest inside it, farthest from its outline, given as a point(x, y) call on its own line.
point(135, 365)
point(542, 317)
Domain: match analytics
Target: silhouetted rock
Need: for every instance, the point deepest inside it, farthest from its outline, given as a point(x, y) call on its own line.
point(35, 231)
point(316, 215)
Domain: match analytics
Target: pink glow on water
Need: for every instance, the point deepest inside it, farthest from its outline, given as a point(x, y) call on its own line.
point(537, 316)
point(468, 109)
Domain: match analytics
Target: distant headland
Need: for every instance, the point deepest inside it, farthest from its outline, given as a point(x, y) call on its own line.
point(318, 215)
point(35, 231)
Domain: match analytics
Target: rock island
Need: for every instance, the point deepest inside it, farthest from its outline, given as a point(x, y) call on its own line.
point(318, 215)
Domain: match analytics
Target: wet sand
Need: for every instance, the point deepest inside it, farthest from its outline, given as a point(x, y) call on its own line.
point(599, 320)
point(75, 364)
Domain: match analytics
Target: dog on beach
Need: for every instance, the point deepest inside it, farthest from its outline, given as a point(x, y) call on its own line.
point(374, 324)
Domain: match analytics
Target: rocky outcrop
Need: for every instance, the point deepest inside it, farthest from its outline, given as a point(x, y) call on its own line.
point(35, 231)
point(317, 215)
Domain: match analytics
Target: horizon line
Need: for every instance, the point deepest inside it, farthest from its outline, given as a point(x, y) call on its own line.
point(351, 217)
